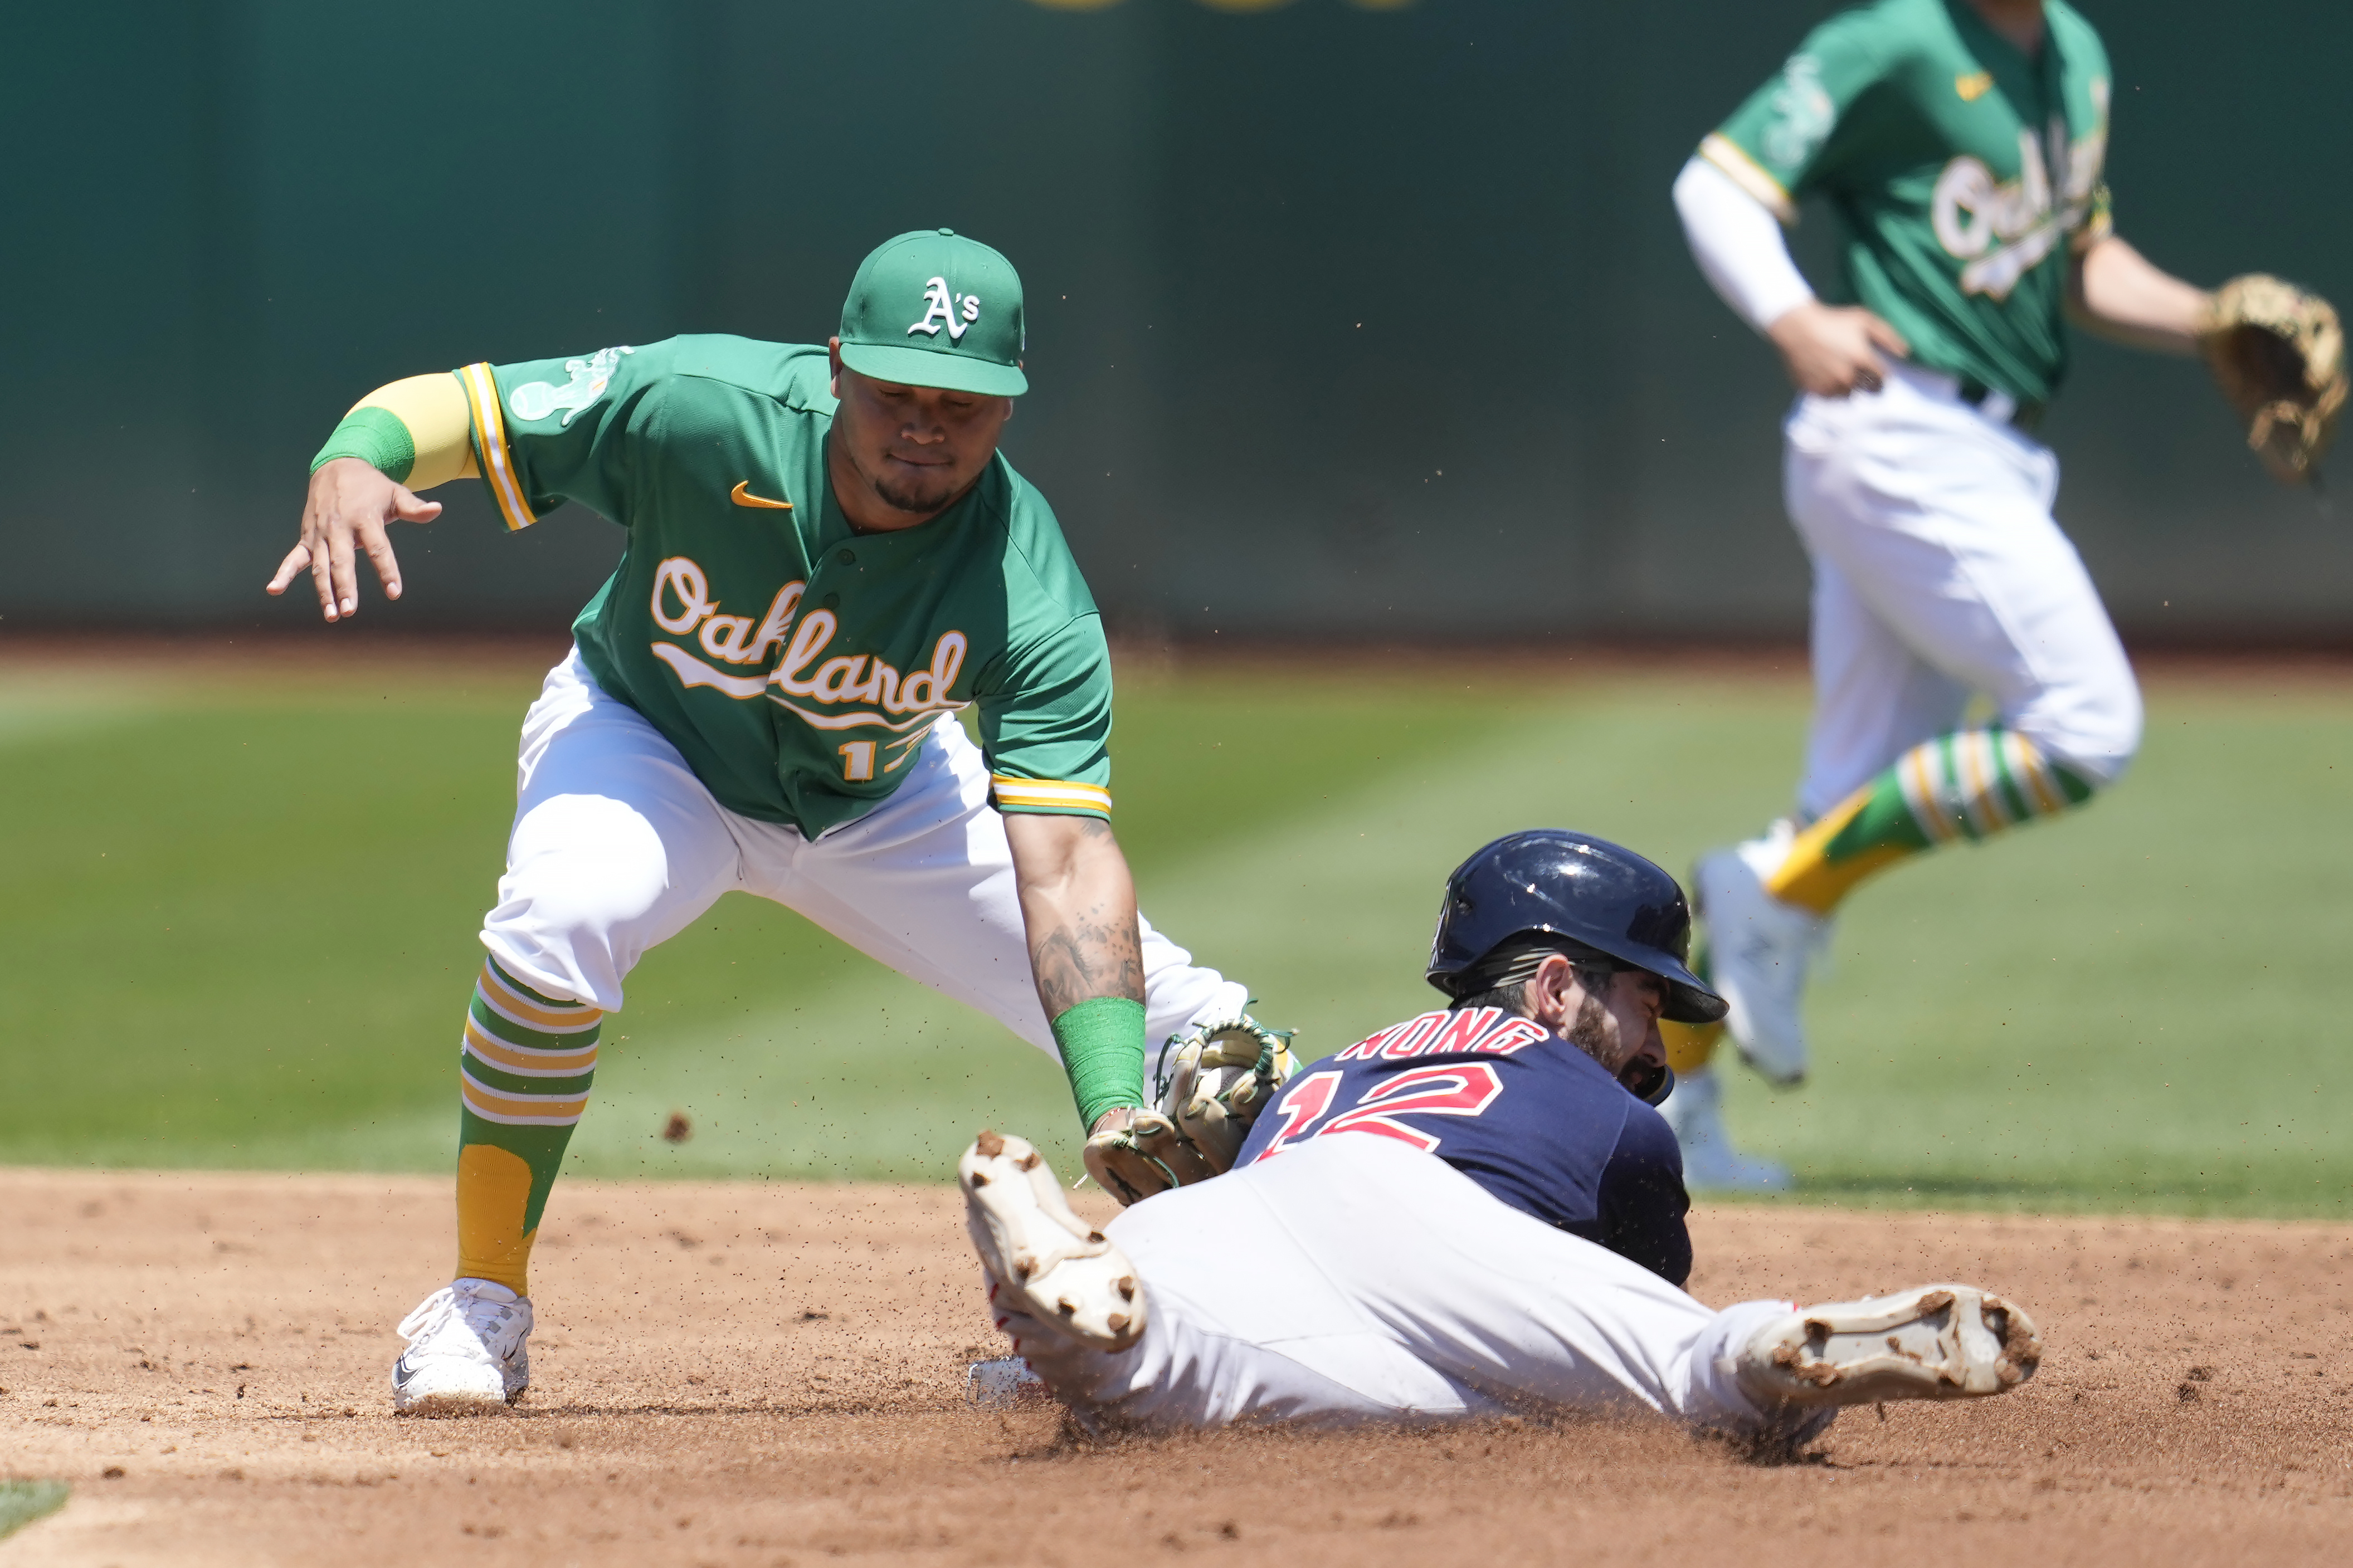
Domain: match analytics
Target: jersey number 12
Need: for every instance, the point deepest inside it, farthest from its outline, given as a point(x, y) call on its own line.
point(1464, 1089)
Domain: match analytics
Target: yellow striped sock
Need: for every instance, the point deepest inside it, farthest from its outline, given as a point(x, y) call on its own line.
point(1958, 788)
point(523, 1073)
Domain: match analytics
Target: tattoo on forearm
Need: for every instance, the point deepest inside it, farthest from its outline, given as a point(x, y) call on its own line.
point(1084, 938)
point(1095, 956)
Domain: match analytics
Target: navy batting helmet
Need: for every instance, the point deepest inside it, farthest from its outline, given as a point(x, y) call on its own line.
point(1587, 890)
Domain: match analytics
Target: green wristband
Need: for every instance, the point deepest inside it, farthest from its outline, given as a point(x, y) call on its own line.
point(376, 437)
point(1102, 1041)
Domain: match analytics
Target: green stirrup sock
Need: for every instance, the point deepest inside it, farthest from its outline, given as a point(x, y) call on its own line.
point(524, 1075)
point(1961, 787)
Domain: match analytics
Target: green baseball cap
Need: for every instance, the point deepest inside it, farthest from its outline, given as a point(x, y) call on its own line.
point(933, 309)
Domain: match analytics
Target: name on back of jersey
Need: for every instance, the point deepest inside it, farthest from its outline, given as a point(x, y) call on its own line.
point(1487, 1030)
point(1313, 1105)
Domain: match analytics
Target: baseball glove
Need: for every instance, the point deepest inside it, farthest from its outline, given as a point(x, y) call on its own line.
point(2279, 355)
point(1212, 1082)
point(1218, 1078)
point(1148, 1155)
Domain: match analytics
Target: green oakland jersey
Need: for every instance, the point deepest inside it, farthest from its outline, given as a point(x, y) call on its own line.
point(797, 663)
point(1963, 172)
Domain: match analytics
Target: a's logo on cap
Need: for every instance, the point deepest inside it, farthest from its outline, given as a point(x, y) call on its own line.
point(941, 307)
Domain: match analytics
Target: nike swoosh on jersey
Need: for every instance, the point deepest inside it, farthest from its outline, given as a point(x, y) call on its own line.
point(741, 496)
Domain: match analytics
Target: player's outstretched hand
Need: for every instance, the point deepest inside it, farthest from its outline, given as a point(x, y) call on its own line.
point(350, 501)
point(1832, 351)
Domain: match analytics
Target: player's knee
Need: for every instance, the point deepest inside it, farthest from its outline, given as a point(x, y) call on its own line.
point(564, 936)
point(578, 897)
point(2093, 738)
point(589, 875)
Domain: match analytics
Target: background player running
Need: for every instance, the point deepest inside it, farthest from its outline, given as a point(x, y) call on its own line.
point(1467, 1213)
point(1962, 145)
point(762, 698)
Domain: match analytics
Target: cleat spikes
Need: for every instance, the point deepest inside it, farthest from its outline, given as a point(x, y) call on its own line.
point(1939, 1342)
point(1041, 1259)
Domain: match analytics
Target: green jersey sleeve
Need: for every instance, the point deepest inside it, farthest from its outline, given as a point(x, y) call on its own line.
point(1045, 724)
point(1774, 143)
point(549, 431)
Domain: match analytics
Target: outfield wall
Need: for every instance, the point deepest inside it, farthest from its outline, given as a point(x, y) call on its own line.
point(1372, 320)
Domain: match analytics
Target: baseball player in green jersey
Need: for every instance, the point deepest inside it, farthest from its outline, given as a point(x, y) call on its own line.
point(1961, 144)
point(827, 558)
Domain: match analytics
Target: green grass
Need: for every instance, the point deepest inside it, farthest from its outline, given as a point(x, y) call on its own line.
point(22, 1502)
point(242, 932)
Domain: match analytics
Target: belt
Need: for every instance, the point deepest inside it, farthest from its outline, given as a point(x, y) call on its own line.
point(1999, 405)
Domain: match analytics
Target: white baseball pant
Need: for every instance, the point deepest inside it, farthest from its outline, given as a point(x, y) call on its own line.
point(617, 846)
point(1353, 1278)
point(1939, 571)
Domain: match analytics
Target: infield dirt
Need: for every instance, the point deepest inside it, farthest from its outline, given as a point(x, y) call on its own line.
point(771, 1374)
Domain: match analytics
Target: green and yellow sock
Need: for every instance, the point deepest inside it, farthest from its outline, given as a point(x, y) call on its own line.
point(522, 1076)
point(1690, 1045)
point(1962, 787)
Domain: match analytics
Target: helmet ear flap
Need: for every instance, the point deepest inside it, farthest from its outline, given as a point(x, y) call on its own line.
point(1650, 1082)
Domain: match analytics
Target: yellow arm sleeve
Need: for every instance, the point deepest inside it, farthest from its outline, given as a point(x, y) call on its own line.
point(434, 409)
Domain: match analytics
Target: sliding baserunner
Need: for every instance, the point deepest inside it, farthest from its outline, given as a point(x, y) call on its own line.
point(1470, 1213)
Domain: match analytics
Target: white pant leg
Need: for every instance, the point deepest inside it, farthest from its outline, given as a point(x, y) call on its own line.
point(1939, 522)
point(924, 884)
point(1875, 699)
point(1352, 1278)
point(617, 846)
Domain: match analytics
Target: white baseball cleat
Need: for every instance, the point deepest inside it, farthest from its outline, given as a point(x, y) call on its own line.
point(467, 1352)
point(1760, 950)
point(1695, 1111)
point(1054, 1267)
point(1938, 1342)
